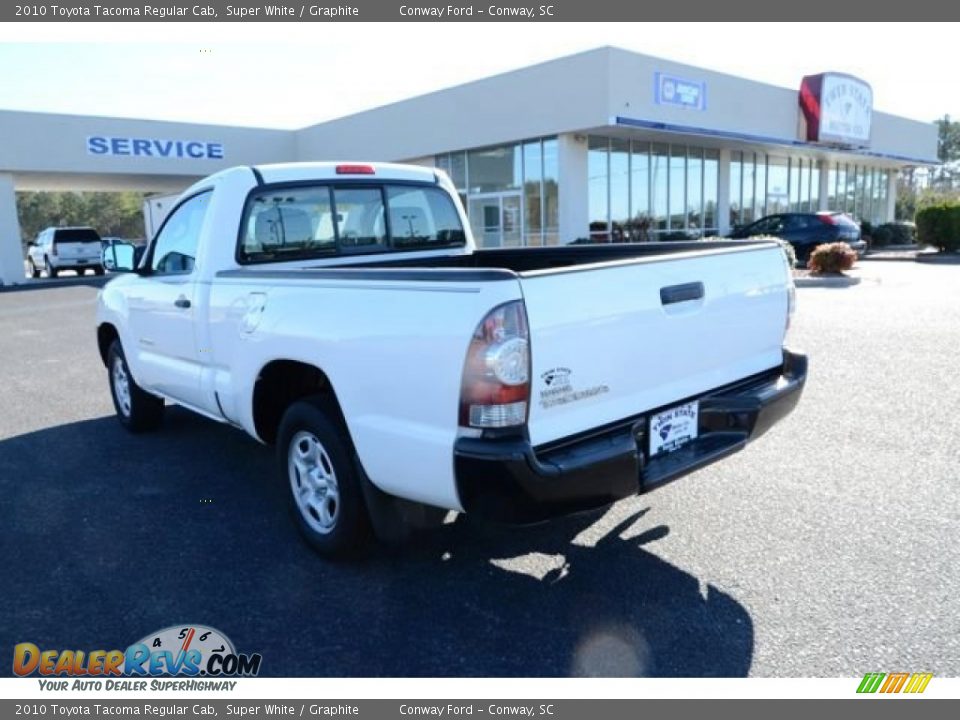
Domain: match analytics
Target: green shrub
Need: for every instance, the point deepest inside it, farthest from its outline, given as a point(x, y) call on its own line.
point(903, 233)
point(882, 236)
point(939, 225)
point(831, 258)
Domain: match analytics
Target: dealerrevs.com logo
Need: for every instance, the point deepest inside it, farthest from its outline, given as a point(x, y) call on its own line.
point(179, 650)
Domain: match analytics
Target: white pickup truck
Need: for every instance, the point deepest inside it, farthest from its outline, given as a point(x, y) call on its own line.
point(343, 314)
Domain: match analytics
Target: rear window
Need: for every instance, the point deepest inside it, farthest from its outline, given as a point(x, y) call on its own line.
point(328, 220)
point(842, 219)
point(75, 235)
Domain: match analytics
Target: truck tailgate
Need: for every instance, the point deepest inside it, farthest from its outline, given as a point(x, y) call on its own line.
point(613, 340)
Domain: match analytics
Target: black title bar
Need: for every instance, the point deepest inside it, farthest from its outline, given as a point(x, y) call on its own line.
point(498, 11)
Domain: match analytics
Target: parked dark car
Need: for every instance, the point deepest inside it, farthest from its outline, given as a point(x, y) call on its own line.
point(807, 230)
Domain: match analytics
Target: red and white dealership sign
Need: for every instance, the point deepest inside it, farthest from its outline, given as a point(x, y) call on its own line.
point(837, 109)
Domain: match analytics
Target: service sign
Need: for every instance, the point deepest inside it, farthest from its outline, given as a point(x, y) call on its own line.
point(673, 90)
point(837, 108)
point(143, 147)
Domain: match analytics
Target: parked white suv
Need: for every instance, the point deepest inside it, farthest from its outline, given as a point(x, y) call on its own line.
point(64, 248)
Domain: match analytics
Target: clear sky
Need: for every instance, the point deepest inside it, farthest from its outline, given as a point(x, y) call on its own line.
point(293, 75)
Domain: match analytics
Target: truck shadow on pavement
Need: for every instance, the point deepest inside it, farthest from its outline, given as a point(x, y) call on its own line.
point(108, 537)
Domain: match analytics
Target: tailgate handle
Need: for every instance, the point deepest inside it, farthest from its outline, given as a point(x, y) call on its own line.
point(681, 293)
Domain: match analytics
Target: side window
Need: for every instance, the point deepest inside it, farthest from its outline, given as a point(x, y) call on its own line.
point(793, 223)
point(768, 226)
point(175, 248)
point(422, 217)
point(288, 223)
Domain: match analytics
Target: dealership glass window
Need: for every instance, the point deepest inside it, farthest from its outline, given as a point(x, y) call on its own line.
point(760, 207)
point(516, 171)
point(795, 184)
point(658, 185)
point(637, 191)
point(694, 202)
point(619, 189)
point(863, 194)
point(814, 186)
point(803, 197)
point(640, 192)
point(598, 187)
point(495, 169)
point(677, 186)
point(711, 180)
point(736, 187)
point(551, 211)
point(880, 197)
point(532, 193)
point(778, 185)
point(850, 192)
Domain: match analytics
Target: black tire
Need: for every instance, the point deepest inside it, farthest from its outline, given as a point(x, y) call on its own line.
point(143, 412)
point(98, 270)
point(51, 270)
point(332, 517)
point(34, 271)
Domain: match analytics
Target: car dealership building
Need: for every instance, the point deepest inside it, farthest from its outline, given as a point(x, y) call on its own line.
point(606, 145)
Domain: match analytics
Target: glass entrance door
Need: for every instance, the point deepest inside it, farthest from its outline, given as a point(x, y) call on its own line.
point(496, 219)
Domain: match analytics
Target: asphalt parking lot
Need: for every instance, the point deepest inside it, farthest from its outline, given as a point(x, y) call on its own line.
point(828, 548)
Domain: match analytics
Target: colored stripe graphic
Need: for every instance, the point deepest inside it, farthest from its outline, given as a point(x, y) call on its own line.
point(894, 682)
point(914, 683)
point(918, 682)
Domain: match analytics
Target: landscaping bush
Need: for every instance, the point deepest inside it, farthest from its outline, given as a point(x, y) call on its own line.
point(903, 233)
point(882, 236)
point(831, 258)
point(939, 225)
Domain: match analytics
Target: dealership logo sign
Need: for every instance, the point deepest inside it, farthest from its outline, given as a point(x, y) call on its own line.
point(154, 148)
point(673, 90)
point(837, 109)
point(179, 650)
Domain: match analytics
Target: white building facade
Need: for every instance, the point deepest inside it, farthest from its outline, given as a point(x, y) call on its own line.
point(604, 146)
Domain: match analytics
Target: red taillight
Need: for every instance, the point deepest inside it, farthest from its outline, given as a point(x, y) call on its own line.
point(495, 392)
point(826, 219)
point(355, 170)
point(53, 249)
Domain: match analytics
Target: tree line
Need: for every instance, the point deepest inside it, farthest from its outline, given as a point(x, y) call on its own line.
point(112, 214)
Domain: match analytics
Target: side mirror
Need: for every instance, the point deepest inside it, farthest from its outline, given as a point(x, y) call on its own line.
point(119, 257)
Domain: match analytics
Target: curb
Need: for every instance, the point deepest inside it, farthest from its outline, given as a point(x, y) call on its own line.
point(939, 258)
point(831, 282)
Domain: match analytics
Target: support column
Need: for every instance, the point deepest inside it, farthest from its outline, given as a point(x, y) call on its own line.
point(573, 196)
point(824, 201)
point(11, 251)
point(723, 194)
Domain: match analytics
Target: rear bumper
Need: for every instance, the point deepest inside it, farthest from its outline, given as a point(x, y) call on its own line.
point(509, 481)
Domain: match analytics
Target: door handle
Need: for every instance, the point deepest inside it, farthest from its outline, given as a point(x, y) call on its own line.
point(182, 302)
point(681, 293)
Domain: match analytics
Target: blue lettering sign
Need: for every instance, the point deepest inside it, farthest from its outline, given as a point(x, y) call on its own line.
point(154, 148)
point(97, 146)
point(673, 90)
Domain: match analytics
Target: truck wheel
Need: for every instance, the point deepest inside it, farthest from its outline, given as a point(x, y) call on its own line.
point(316, 460)
point(31, 266)
point(138, 410)
point(51, 271)
point(98, 270)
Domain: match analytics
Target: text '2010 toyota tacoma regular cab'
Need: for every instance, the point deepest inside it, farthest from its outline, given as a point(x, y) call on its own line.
point(343, 314)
